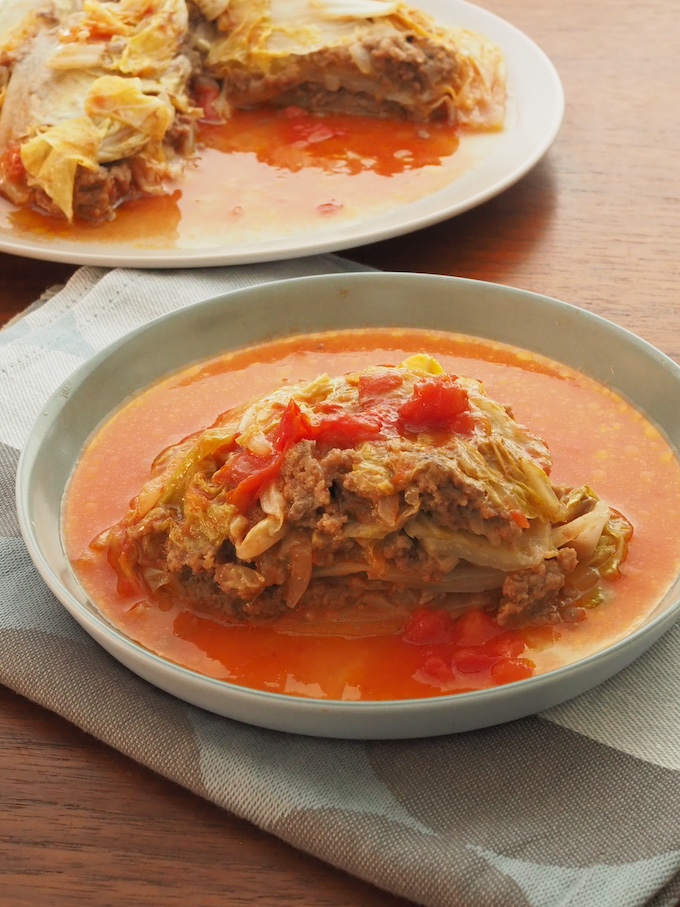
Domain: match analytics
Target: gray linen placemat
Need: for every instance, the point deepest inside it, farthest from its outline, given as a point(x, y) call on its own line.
point(578, 806)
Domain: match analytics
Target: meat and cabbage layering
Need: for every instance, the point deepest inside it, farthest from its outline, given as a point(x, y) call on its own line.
point(100, 100)
point(364, 497)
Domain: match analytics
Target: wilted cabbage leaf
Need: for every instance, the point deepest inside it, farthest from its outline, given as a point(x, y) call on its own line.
point(52, 157)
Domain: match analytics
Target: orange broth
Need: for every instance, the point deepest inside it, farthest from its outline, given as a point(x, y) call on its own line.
point(595, 437)
point(268, 174)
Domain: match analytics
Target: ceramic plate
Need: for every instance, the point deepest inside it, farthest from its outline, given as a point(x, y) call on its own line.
point(535, 110)
point(565, 333)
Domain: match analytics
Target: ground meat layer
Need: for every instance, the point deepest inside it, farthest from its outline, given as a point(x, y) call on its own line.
point(324, 491)
point(397, 75)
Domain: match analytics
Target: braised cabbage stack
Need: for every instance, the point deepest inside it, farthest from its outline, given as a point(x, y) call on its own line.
point(375, 57)
point(355, 499)
point(99, 99)
point(95, 104)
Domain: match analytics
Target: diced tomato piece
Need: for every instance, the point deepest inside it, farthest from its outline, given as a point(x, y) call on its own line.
point(13, 166)
point(463, 424)
point(508, 645)
point(472, 660)
point(311, 130)
point(435, 670)
point(240, 466)
point(508, 670)
point(300, 129)
point(248, 473)
point(475, 627)
point(316, 134)
point(98, 33)
point(428, 628)
point(246, 492)
point(349, 429)
point(519, 519)
point(294, 426)
point(437, 404)
point(376, 384)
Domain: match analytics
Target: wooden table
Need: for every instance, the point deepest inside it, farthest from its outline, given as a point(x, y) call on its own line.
point(596, 223)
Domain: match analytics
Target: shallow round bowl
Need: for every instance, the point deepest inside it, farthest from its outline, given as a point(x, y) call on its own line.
point(588, 343)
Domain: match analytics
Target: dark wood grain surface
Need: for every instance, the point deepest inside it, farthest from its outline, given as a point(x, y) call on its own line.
point(597, 224)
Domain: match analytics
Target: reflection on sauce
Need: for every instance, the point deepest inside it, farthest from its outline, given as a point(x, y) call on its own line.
point(271, 174)
point(595, 438)
point(151, 222)
point(292, 140)
point(335, 667)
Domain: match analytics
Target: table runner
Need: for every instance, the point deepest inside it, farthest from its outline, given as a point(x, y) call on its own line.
point(576, 806)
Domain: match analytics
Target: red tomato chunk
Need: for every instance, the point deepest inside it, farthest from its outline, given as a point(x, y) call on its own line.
point(429, 628)
point(376, 384)
point(437, 404)
point(507, 644)
point(250, 473)
point(475, 627)
point(293, 427)
point(13, 165)
point(472, 660)
point(436, 670)
point(470, 644)
point(349, 430)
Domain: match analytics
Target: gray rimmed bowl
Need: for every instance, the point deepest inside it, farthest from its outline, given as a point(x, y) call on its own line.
point(586, 342)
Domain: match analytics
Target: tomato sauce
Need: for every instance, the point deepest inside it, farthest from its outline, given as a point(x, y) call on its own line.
point(269, 174)
point(595, 437)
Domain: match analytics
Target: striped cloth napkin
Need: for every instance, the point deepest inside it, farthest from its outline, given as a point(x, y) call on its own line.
point(576, 806)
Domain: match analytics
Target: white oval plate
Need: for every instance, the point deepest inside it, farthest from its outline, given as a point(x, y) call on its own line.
point(535, 111)
point(565, 333)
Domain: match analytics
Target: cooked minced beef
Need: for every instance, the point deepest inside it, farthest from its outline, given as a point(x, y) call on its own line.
point(400, 77)
point(536, 595)
point(182, 135)
point(306, 483)
point(97, 194)
point(325, 598)
point(405, 62)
